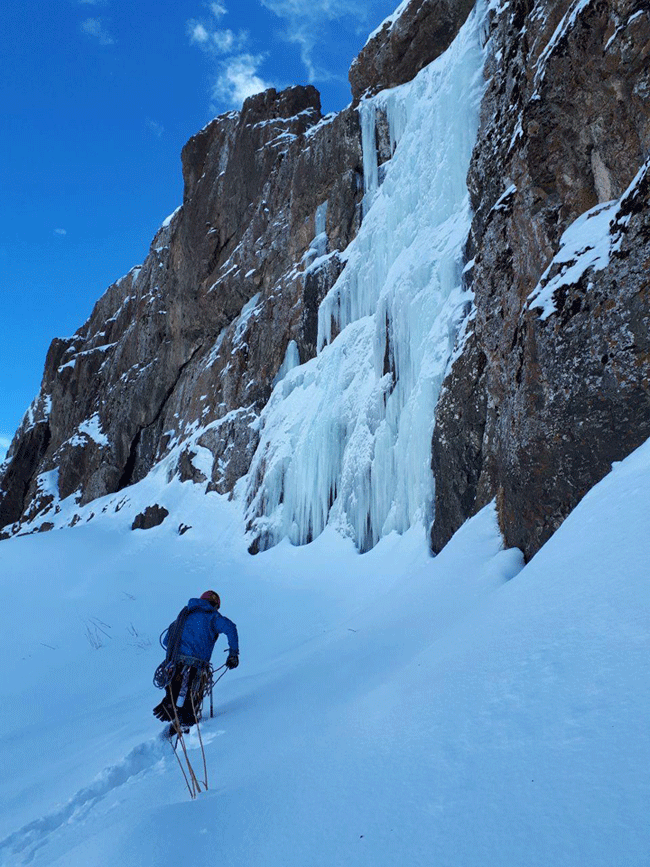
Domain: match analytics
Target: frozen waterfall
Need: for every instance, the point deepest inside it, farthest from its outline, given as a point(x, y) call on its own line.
point(346, 438)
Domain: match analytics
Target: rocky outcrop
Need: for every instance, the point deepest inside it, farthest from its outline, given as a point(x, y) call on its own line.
point(559, 389)
point(458, 446)
point(153, 516)
point(181, 354)
point(406, 44)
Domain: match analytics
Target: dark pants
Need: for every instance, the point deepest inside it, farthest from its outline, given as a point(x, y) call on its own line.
point(194, 694)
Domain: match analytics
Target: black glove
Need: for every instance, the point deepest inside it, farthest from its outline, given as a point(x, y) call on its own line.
point(232, 661)
point(161, 712)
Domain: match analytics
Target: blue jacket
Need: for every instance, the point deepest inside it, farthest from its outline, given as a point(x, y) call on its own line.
point(202, 628)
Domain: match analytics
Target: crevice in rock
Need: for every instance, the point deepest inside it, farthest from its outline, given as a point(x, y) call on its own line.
point(19, 475)
point(128, 476)
point(129, 467)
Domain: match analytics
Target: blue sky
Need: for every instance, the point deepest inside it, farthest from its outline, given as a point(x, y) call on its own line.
point(98, 98)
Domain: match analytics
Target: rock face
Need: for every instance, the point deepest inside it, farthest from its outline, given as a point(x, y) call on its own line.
point(547, 395)
point(193, 339)
point(404, 46)
point(153, 516)
point(551, 378)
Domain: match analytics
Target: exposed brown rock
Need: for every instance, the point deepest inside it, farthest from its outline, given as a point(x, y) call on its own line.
point(402, 48)
point(458, 452)
point(566, 122)
point(20, 471)
point(152, 516)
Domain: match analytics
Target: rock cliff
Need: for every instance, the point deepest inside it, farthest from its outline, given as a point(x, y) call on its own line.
point(194, 337)
point(550, 380)
point(546, 396)
point(406, 43)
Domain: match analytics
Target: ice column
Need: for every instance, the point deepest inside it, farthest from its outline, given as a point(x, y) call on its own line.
point(319, 244)
point(291, 360)
point(368, 119)
point(345, 439)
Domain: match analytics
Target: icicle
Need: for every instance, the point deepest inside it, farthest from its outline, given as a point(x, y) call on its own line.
point(368, 117)
point(291, 360)
point(321, 219)
point(319, 244)
point(346, 439)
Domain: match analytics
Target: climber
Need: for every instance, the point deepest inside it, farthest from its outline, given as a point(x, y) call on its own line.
point(186, 671)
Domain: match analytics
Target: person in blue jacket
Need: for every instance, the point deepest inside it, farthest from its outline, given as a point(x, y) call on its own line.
point(201, 626)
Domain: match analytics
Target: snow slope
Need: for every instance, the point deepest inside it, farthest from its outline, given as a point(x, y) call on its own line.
point(389, 707)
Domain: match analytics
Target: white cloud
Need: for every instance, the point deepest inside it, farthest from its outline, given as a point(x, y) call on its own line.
point(305, 21)
point(226, 41)
point(197, 32)
point(215, 41)
point(156, 128)
point(238, 79)
point(236, 68)
point(60, 231)
point(218, 10)
point(94, 27)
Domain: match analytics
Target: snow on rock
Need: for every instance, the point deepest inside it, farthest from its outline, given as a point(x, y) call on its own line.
point(389, 20)
point(587, 244)
point(168, 220)
point(552, 388)
point(565, 26)
point(38, 411)
point(47, 484)
point(91, 429)
point(202, 460)
point(346, 438)
point(249, 311)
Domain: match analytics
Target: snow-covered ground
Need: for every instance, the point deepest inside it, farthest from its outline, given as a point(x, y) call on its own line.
point(458, 711)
